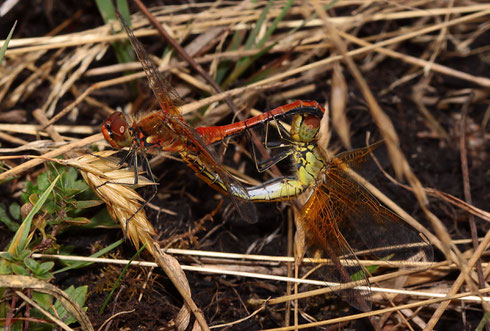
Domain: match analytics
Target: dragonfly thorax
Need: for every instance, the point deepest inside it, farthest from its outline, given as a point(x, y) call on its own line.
point(157, 132)
point(309, 162)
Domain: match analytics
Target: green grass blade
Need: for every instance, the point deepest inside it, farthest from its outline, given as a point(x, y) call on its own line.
point(77, 265)
point(6, 43)
point(20, 242)
point(106, 10)
point(123, 8)
point(246, 62)
point(275, 23)
point(483, 322)
point(118, 280)
point(123, 49)
point(258, 25)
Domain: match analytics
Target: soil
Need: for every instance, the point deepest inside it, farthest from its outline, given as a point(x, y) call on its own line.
point(147, 300)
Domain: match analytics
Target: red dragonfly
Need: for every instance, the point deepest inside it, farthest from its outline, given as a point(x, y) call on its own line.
point(339, 212)
point(166, 130)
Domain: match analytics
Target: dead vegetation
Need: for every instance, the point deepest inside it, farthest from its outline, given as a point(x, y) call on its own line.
point(414, 72)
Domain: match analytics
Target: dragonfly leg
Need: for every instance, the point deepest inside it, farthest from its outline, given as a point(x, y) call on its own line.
point(204, 173)
point(266, 164)
point(132, 161)
point(145, 164)
point(283, 136)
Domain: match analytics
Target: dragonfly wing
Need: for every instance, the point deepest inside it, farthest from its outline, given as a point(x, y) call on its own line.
point(164, 93)
point(165, 96)
point(319, 218)
point(361, 160)
point(380, 230)
point(393, 240)
point(209, 160)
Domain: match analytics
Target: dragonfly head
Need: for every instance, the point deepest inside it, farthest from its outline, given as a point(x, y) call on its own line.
point(116, 131)
point(304, 128)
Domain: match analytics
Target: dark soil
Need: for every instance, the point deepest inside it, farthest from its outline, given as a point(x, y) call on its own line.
point(149, 301)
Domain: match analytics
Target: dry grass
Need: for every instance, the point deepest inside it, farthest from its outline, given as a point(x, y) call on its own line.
point(335, 44)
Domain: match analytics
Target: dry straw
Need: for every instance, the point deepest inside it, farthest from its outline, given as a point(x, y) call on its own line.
point(115, 186)
point(311, 54)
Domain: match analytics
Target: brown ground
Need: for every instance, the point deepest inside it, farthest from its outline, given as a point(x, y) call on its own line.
point(434, 158)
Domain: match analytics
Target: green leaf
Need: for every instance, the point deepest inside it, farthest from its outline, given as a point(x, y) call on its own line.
point(84, 204)
point(50, 206)
point(20, 240)
point(14, 210)
point(7, 256)
point(39, 270)
point(5, 219)
point(42, 299)
point(102, 220)
point(77, 220)
point(5, 268)
point(6, 43)
point(28, 191)
point(32, 264)
point(44, 275)
point(371, 269)
point(43, 182)
point(71, 175)
point(360, 275)
point(19, 269)
point(22, 255)
point(79, 295)
point(46, 266)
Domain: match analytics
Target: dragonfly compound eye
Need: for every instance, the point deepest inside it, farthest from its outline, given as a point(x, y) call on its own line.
point(304, 128)
point(115, 131)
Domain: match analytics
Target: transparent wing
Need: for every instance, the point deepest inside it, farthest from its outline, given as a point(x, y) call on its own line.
point(381, 230)
point(163, 91)
point(164, 95)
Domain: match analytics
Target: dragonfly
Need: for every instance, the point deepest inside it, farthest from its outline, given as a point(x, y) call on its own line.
point(338, 210)
point(166, 130)
point(336, 206)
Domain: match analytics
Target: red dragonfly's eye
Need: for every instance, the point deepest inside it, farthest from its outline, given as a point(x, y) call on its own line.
point(115, 131)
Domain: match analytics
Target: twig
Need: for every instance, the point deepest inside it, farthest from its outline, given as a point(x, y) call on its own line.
point(466, 185)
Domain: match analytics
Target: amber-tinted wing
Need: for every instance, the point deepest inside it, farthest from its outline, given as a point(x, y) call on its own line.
point(319, 217)
point(341, 215)
point(164, 94)
point(381, 230)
